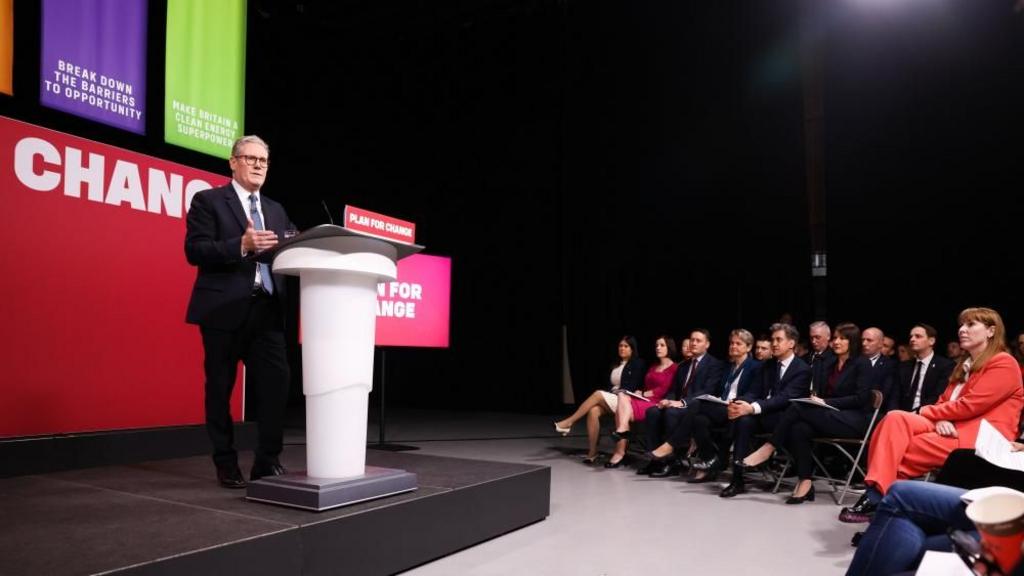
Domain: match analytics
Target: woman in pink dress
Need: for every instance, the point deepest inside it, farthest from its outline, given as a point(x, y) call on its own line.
point(656, 384)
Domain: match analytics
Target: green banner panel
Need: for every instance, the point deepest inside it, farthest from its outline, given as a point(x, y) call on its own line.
point(204, 100)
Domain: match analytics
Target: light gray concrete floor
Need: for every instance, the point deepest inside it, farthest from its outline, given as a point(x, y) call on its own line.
point(614, 522)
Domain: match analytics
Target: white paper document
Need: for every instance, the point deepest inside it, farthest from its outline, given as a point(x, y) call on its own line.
point(637, 395)
point(814, 403)
point(710, 398)
point(992, 446)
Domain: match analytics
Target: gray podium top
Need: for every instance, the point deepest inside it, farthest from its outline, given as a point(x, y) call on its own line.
point(330, 231)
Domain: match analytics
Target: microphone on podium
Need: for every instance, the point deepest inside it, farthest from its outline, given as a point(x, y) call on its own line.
point(327, 210)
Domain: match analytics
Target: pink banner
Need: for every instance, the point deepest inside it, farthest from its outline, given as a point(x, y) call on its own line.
point(414, 309)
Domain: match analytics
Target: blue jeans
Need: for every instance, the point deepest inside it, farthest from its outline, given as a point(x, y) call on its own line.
point(912, 518)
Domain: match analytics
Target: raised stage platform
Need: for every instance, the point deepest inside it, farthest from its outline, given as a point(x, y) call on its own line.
point(171, 517)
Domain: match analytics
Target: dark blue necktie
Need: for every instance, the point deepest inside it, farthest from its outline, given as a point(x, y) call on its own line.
point(257, 223)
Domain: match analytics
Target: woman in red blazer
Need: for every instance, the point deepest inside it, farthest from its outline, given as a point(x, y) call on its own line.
point(986, 384)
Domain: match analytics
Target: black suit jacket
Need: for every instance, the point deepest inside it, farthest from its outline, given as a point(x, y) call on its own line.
point(708, 374)
point(852, 390)
point(773, 395)
point(222, 292)
point(885, 378)
point(936, 378)
point(818, 374)
point(632, 378)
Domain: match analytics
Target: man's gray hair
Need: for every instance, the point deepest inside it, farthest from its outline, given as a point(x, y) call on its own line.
point(821, 324)
point(791, 332)
point(250, 139)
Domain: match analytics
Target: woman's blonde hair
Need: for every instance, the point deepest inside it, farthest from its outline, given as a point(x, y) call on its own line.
point(996, 344)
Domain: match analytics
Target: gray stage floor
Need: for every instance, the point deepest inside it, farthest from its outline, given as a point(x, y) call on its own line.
point(613, 522)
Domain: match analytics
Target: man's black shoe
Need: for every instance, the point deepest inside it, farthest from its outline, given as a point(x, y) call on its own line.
point(860, 512)
point(733, 489)
point(666, 469)
point(261, 469)
point(230, 477)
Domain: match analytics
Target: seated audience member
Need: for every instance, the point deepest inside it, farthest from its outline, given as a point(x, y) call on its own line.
point(693, 378)
point(849, 379)
point(986, 384)
point(627, 374)
point(701, 415)
point(820, 339)
point(872, 342)
point(763, 348)
point(889, 347)
point(1018, 349)
point(657, 381)
point(914, 516)
point(903, 353)
point(782, 378)
point(685, 353)
point(920, 381)
point(953, 351)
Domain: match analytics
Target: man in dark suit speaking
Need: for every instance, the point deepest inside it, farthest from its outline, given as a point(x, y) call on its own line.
point(238, 306)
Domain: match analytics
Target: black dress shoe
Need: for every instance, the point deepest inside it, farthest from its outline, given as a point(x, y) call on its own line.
point(809, 497)
point(860, 512)
point(261, 469)
point(230, 477)
point(732, 489)
point(666, 468)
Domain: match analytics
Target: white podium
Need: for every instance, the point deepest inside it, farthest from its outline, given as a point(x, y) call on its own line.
point(338, 271)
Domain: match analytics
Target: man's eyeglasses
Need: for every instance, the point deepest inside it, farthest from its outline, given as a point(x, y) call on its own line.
point(254, 160)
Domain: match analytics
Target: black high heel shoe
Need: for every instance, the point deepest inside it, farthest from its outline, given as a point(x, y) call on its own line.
point(809, 497)
point(610, 464)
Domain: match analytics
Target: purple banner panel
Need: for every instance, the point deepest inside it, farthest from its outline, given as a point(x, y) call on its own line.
point(94, 60)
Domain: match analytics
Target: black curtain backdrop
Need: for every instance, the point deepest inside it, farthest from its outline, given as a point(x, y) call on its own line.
point(635, 167)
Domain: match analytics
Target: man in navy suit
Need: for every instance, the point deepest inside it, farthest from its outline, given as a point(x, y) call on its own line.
point(701, 415)
point(924, 378)
point(238, 305)
point(783, 377)
point(699, 375)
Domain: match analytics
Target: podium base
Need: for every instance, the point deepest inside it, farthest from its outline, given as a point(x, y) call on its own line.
point(319, 494)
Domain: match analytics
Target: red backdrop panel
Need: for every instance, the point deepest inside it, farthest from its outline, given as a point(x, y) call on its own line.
point(95, 286)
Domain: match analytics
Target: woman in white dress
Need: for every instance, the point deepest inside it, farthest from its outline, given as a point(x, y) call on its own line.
point(627, 374)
